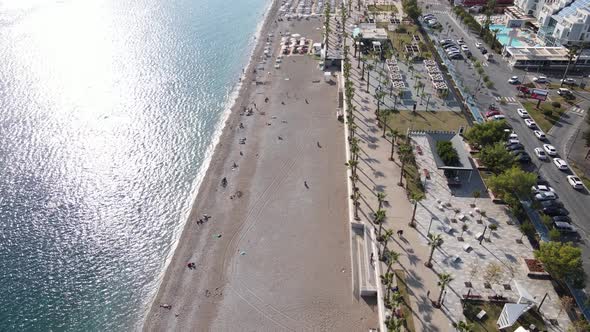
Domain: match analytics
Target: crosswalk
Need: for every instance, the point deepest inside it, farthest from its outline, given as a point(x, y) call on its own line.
point(508, 100)
point(439, 12)
point(485, 64)
point(578, 110)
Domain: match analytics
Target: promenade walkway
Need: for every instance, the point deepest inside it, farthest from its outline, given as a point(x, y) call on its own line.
point(378, 174)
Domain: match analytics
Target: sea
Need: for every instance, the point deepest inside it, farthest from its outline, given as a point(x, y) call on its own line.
point(109, 112)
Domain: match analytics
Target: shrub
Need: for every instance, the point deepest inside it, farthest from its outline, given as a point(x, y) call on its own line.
point(556, 104)
point(554, 235)
point(401, 29)
point(489, 84)
point(547, 113)
point(447, 153)
point(486, 78)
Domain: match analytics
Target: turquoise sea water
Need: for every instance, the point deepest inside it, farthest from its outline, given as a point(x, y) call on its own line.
point(108, 109)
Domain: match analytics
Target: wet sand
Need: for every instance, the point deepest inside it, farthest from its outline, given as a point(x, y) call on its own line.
point(278, 256)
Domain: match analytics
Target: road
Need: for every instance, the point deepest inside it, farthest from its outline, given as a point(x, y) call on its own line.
point(577, 202)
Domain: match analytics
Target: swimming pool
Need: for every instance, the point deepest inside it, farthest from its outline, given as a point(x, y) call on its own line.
point(503, 37)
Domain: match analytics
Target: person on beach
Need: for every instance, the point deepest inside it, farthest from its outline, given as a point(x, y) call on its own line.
point(224, 182)
point(305, 184)
point(319, 146)
point(372, 259)
point(400, 233)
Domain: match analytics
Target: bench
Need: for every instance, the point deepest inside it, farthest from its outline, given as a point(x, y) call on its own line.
point(472, 296)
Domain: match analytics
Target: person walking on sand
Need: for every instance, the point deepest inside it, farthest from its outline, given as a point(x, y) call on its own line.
point(372, 259)
point(305, 184)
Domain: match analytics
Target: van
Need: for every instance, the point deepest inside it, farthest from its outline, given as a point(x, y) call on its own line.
point(563, 92)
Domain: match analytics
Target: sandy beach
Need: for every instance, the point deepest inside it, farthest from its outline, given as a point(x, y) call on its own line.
point(275, 254)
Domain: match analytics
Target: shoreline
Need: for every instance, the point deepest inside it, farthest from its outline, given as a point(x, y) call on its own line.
point(217, 151)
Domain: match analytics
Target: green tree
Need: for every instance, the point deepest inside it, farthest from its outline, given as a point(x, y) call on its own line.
point(443, 280)
point(327, 29)
point(487, 133)
point(393, 133)
point(416, 198)
point(496, 158)
point(392, 257)
point(435, 241)
point(554, 234)
point(412, 9)
point(580, 325)
point(562, 261)
point(463, 326)
point(476, 194)
point(380, 198)
point(385, 237)
point(369, 68)
point(405, 154)
point(447, 153)
point(512, 181)
point(379, 219)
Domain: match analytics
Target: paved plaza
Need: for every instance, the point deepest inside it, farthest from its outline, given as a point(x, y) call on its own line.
point(470, 266)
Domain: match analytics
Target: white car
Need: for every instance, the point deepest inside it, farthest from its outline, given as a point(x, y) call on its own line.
point(560, 163)
point(546, 196)
point(522, 113)
point(498, 117)
point(550, 149)
point(540, 79)
point(478, 45)
point(563, 92)
point(530, 123)
point(460, 41)
point(542, 155)
point(513, 141)
point(541, 188)
point(575, 182)
point(513, 80)
point(464, 48)
point(512, 136)
point(569, 81)
point(540, 135)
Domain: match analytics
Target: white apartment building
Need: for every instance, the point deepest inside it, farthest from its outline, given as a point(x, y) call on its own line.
point(564, 22)
point(530, 7)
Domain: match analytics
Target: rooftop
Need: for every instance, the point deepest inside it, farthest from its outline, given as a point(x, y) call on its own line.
point(571, 9)
point(538, 53)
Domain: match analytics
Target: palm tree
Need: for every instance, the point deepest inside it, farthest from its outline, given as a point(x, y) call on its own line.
point(387, 280)
point(435, 242)
point(378, 97)
point(385, 238)
point(495, 31)
point(327, 24)
point(415, 199)
point(379, 219)
point(380, 198)
point(464, 228)
point(392, 258)
point(572, 53)
point(354, 151)
point(369, 68)
point(356, 195)
point(463, 326)
point(364, 61)
point(476, 195)
point(405, 152)
point(356, 39)
point(352, 164)
point(443, 280)
point(393, 133)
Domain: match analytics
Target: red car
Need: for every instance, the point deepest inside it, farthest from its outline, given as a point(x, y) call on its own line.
point(523, 89)
point(492, 113)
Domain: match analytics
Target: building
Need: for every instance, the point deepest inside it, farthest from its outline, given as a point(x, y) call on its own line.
point(535, 58)
point(564, 22)
point(530, 7)
point(482, 3)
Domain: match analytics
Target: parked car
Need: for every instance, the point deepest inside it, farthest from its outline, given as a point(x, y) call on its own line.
point(513, 80)
point(478, 45)
point(562, 219)
point(540, 188)
point(484, 52)
point(542, 155)
point(530, 123)
point(564, 227)
point(522, 113)
point(546, 196)
point(464, 48)
point(575, 182)
point(568, 81)
point(517, 152)
point(492, 113)
point(498, 117)
point(540, 135)
point(550, 149)
point(512, 141)
point(551, 203)
point(555, 211)
point(512, 136)
point(456, 56)
point(515, 147)
point(460, 41)
point(540, 79)
point(561, 164)
point(564, 92)
point(523, 157)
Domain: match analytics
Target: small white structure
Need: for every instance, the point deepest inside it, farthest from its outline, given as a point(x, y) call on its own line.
point(511, 313)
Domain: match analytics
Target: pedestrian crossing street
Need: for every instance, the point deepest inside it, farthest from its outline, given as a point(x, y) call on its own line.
point(576, 109)
point(509, 100)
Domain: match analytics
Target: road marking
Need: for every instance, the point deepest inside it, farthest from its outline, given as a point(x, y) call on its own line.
point(485, 64)
point(508, 100)
point(576, 109)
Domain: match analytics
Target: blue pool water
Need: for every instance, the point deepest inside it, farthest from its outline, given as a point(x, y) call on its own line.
point(108, 111)
point(503, 37)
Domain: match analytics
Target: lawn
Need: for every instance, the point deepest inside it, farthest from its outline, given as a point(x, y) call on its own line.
point(543, 121)
point(382, 8)
point(400, 277)
point(493, 311)
point(414, 186)
point(446, 120)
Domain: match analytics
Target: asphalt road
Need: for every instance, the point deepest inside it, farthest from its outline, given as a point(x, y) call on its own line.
point(577, 202)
